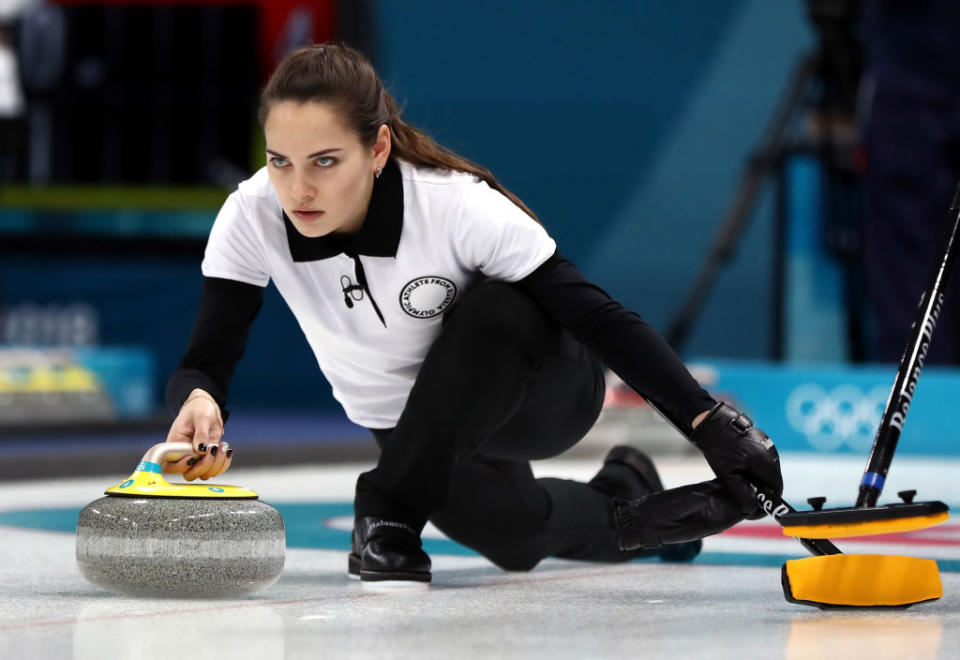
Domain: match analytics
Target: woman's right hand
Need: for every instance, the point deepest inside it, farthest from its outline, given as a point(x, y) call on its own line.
point(199, 423)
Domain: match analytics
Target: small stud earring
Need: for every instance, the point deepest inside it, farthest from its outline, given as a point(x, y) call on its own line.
point(377, 174)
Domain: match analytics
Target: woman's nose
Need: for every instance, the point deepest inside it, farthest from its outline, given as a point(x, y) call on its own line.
point(302, 188)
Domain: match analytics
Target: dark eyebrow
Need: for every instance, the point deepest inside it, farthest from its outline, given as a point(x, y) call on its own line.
point(313, 155)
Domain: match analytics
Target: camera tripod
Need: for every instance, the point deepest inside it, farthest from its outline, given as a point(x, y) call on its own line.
point(822, 90)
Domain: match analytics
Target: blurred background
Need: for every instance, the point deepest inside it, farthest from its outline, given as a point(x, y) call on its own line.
point(765, 182)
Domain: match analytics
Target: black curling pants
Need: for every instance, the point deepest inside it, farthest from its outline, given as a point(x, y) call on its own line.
point(502, 385)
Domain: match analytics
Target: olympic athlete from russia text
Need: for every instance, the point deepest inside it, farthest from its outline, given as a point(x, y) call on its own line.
point(449, 324)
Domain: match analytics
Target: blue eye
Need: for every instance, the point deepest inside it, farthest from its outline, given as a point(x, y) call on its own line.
point(276, 161)
point(326, 161)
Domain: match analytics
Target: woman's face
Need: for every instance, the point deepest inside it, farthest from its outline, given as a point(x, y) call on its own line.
point(321, 172)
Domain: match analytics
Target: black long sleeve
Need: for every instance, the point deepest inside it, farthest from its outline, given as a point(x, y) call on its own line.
point(624, 341)
point(217, 342)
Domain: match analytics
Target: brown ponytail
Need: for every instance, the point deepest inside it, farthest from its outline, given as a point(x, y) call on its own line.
point(338, 74)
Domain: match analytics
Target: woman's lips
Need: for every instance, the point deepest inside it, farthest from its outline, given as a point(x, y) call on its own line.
point(308, 216)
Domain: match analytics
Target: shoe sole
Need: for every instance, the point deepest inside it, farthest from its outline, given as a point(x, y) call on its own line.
point(386, 580)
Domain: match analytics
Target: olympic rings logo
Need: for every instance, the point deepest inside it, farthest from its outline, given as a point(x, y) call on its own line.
point(843, 415)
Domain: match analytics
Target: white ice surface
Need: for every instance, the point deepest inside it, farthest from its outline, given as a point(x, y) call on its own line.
point(473, 610)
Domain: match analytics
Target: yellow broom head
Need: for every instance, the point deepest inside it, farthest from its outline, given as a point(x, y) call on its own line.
point(861, 581)
point(864, 521)
point(866, 527)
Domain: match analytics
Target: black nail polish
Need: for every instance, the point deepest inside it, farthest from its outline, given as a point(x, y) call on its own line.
point(229, 453)
point(202, 446)
point(191, 461)
point(213, 450)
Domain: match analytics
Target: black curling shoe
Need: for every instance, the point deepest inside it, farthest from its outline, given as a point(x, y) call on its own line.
point(642, 479)
point(646, 478)
point(388, 554)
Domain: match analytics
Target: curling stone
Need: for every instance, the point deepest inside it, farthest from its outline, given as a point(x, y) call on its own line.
point(148, 537)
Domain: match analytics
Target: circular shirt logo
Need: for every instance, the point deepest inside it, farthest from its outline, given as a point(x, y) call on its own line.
point(425, 297)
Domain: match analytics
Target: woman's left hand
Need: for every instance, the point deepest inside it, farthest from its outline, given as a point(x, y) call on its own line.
point(211, 463)
point(740, 455)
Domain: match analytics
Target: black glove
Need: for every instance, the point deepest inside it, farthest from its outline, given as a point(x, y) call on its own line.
point(677, 515)
point(740, 454)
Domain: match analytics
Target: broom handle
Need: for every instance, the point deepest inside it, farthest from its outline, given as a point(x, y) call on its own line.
point(911, 363)
point(775, 506)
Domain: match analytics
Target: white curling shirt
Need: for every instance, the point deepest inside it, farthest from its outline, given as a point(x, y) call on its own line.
point(428, 235)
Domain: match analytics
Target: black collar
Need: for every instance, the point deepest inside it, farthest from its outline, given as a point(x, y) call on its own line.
point(379, 235)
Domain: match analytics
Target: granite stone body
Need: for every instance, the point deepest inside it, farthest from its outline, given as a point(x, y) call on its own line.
point(180, 547)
